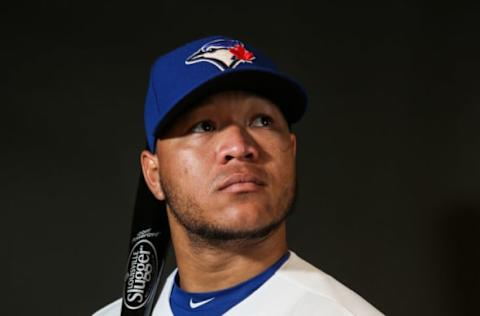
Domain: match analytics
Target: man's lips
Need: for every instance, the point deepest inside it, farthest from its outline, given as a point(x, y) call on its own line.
point(241, 182)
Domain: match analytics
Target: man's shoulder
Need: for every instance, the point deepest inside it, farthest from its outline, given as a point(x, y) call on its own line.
point(300, 289)
point(162, 306)
point(317, 286)
point(112, 309)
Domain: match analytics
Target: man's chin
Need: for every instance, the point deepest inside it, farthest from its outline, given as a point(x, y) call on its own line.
point(217, 236)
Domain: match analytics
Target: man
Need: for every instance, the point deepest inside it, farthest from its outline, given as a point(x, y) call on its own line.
point(221, 156)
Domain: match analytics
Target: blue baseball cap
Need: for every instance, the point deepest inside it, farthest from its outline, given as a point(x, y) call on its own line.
point(182, 77)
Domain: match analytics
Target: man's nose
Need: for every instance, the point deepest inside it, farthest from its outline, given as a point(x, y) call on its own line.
point(237, 144)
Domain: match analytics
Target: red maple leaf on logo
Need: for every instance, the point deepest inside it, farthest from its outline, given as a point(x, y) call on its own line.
point(241, 53)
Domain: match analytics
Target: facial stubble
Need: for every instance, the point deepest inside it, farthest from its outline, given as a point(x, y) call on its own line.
point(187, 212)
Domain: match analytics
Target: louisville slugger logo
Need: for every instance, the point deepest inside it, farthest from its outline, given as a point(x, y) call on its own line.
point(142, 267)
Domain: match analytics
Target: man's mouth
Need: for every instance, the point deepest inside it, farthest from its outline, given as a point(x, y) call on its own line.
point(241, 182)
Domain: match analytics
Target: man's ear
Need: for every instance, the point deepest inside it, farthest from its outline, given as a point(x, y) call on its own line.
point(293, 143)
point(150, 169)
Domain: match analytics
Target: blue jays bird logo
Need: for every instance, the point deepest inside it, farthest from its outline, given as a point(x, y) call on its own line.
point(223, 53)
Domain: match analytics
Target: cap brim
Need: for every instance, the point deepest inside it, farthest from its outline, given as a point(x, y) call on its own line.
point(287, 94)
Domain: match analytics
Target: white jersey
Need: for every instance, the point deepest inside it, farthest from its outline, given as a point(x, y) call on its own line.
point(297, 288)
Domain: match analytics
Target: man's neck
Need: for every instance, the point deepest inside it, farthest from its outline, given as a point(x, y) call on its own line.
point(206, 268)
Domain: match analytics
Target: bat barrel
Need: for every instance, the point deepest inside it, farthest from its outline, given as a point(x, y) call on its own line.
point(149, 240)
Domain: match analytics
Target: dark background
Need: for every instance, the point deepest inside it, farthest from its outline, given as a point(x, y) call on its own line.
point(389, 152)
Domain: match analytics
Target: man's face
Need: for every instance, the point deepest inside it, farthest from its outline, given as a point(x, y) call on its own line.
point(227, 167)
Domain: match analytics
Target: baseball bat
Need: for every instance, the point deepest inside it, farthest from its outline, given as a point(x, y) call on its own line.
point(149, 243)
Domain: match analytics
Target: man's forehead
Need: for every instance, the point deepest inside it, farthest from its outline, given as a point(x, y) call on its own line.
point(234, 101)
point(229, 97)
point(231, 102)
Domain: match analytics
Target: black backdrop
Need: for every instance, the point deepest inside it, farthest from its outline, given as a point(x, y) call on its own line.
point(389, 152)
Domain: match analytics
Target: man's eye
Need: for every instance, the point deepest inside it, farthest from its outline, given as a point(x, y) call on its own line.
point(203, 127)
point(262, 121)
